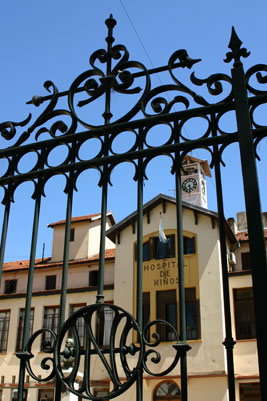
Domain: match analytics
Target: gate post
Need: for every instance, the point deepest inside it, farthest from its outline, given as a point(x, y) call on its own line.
point(253, 206)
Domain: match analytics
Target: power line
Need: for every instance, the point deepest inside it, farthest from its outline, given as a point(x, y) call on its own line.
point(140, 40)
point(151, 62)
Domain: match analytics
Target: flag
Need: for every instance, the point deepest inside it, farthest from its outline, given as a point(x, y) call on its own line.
point(162, 236)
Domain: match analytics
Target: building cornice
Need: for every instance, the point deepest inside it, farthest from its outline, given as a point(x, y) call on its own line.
point(55, 292)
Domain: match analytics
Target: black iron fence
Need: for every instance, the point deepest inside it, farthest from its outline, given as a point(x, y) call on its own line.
point(68, 126)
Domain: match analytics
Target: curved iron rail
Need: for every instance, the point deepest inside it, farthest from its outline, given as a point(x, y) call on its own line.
point(67, 355)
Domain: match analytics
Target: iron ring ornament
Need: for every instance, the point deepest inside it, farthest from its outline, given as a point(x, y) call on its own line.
point(126, 353)
point(63, 125)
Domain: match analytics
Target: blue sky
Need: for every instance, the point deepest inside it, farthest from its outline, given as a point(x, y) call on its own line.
point(41, 40)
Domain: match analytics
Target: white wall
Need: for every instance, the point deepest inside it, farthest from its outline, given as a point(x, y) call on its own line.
point(86, 240)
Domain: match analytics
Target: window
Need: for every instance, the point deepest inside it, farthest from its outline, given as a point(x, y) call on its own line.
point(167, 391)
point(148, 249)
point(104, 319)
point(51, 320)
point(161, 250)
point(4, 326)
point(10, 286)
point(14, 395)
point(72, 234)
point(154, 249)
point(192, 314)
point(244, 314)
point(250, 392)
point(20, 327)
point(50, 282)
point(46, 394)
point(79, 323)
point(93, 278)
point(189, 245)
point(167, 310)
point(245, 261)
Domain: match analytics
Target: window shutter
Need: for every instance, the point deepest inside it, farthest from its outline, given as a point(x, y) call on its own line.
point(151, 248)
point(194, 244)
point(172, 246)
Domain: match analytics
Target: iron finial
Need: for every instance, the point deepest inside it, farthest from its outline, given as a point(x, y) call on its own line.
point(237, 52)
point(110, 22)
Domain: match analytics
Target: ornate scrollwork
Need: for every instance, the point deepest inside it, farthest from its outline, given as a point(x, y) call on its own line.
point(160, 105)
point(8, 130)
point(154, 356)
point(48, 115)
point(120, 79)
point(47, 346)
point(214, 84)
point(109, 331)
point(258, 71)
point(184, 61)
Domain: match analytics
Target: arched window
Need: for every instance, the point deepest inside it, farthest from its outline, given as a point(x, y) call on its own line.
point(167, 391)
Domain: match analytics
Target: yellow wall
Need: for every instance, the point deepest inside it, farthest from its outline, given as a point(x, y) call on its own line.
point(162, 274)
point(207, 354)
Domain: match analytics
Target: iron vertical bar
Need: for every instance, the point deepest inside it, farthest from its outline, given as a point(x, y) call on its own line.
point(181, 283)
point(26, 325)
point(139, 266)
point(254, 217)
point(4, 234)
point(110, 23)
point(229, 341)
point(65, 268)
point(100, 289)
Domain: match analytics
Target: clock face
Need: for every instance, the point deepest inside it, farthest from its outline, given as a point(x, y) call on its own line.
point(189, 185)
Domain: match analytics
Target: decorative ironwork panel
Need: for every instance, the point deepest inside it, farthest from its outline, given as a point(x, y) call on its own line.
point(173, 105)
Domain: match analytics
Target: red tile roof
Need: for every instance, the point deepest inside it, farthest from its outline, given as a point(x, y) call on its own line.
point(24, 264)
point(76, 219)
point(46, 262)
point(79, 219)
point(243, 235)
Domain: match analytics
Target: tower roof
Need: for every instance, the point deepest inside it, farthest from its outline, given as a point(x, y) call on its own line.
point(188, 159)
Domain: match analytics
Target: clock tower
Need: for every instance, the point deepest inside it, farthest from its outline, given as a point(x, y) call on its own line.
point(193, 181)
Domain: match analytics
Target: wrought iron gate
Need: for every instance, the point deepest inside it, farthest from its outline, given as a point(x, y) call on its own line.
point(243, 98)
